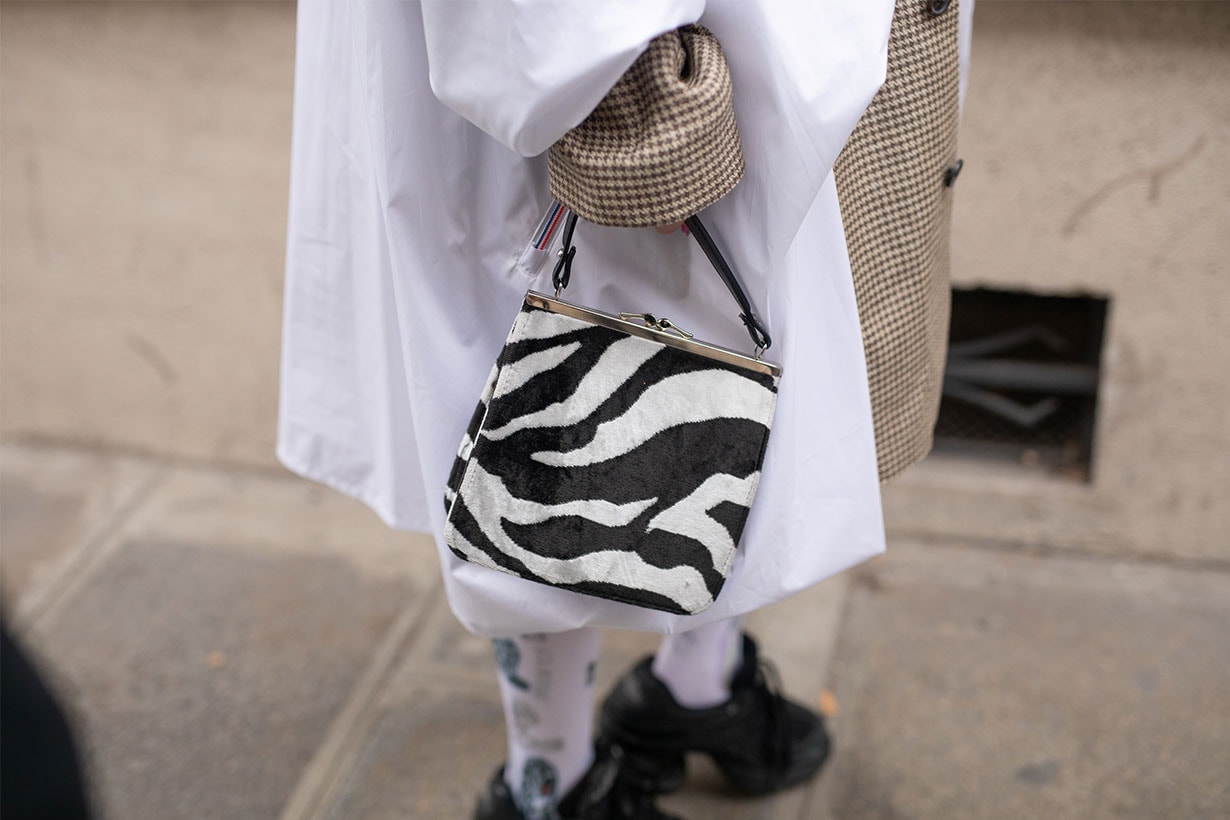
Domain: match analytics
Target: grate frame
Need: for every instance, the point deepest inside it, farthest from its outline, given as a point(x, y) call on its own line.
point(1025, 352)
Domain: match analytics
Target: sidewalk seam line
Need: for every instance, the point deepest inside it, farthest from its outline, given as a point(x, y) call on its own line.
point(1042, 550)
point(85, 558)
point(319, 783)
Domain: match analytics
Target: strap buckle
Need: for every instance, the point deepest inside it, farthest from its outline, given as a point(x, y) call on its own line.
point(562, 273)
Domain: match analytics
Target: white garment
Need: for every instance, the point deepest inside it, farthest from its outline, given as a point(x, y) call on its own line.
point(412, 204)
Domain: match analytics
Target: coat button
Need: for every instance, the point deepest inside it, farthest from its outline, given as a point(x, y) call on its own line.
point(937, 7)
point(950, 176)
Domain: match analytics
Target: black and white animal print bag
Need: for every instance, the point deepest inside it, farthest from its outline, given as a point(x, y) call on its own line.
point(613, 455)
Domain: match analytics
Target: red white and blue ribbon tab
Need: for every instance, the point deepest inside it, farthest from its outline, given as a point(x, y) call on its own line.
point(548, 226)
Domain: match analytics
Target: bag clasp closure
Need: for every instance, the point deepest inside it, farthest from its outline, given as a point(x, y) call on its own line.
point(663, 324)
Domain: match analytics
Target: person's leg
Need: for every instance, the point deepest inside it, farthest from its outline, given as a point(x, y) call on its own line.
point(554, 769)
point(546, 682)
point(697, 666)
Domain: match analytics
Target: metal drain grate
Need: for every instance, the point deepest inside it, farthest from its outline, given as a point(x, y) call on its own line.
point(1022, 378)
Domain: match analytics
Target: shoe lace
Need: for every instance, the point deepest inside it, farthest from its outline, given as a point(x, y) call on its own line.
point(611, 793)
point(768, 688)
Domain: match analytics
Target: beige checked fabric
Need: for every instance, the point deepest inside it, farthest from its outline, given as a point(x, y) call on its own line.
point(895, 206)
point(661, 146)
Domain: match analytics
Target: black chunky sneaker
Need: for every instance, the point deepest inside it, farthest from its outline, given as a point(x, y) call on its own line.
point(761, 741)
point(608, 791)
point(496, 802)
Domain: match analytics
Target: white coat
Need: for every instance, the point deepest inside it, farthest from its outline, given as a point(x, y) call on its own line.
point(418, 177)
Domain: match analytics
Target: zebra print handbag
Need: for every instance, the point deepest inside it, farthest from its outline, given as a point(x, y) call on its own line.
point(614, 455)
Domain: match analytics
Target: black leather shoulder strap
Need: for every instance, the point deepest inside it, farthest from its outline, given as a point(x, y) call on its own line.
point(755, 327)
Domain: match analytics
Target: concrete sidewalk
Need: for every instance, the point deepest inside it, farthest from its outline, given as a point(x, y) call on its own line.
point(247, 645)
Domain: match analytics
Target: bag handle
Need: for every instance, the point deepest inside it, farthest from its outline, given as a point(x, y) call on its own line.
point(755, 327)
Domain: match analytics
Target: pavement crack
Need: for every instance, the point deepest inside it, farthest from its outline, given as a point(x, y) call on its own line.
point(1153, 176)
point(152, 355)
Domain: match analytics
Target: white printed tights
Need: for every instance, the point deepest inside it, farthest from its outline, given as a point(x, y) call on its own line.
point(547, 686)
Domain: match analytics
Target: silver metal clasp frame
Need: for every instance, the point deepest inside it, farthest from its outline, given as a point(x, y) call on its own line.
point(663, 324)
